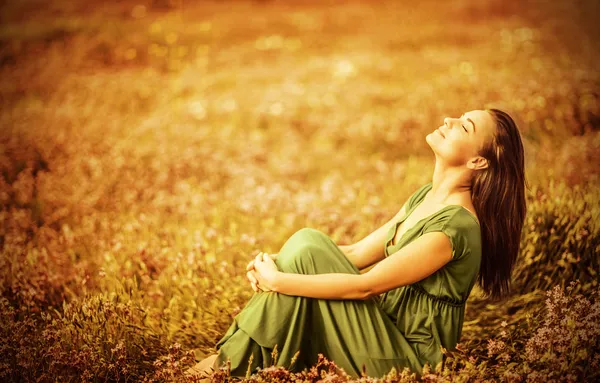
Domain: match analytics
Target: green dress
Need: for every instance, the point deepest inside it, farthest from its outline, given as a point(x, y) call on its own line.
point(403, 327)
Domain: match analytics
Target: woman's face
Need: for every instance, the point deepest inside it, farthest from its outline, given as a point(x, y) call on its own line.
point(459, 140)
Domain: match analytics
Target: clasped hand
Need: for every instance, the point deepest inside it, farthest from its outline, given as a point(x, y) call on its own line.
point(261, 271)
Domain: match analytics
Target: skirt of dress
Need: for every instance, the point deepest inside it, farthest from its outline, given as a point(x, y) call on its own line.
point(351, 333)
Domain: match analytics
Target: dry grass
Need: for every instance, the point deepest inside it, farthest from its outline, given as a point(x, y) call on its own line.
point(149, 149)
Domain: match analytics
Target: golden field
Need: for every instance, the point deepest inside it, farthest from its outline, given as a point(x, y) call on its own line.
point(148, 150)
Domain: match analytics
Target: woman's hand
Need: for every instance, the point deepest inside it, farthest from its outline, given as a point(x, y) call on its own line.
point(251, 272)
point(265, 272)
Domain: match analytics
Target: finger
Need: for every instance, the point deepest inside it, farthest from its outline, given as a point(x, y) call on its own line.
point(250, 265)
point(253, 280)
point(251, 277)
point(255, 277)
point(263, 255)
point(269, 260)
point(262, 288)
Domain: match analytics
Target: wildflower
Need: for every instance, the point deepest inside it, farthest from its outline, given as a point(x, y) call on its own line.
point(495, 346)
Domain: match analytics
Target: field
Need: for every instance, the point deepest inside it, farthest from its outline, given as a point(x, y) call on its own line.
point(150, 149)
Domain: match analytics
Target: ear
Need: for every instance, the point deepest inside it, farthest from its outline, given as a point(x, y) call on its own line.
point(477, 163)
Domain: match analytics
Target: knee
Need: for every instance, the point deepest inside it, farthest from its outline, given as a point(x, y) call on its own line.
point(306, 233)
point(297, 253)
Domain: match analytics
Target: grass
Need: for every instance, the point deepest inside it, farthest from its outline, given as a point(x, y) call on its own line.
point(149, 149)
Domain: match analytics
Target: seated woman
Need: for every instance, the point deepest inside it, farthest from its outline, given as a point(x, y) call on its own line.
point(462, 227)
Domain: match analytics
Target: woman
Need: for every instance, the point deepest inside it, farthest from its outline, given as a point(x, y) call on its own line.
point(463, 226)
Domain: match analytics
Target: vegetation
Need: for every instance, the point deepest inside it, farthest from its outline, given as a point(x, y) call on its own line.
point(149, 149)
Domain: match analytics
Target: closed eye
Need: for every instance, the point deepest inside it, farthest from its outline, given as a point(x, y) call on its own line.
point(463, 125)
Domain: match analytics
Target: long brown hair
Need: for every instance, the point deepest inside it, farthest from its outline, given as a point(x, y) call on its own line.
point(498, 194)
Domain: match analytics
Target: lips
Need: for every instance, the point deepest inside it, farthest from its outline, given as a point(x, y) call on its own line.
point(440, 132)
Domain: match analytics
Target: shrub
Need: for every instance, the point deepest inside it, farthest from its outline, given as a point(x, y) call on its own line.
point(565, 347)
point(560, 238)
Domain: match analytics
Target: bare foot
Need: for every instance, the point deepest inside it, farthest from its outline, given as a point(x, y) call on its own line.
point(204, 367)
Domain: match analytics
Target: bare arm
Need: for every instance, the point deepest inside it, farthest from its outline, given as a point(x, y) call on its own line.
point(413, 262)
point(362, 254)
point(370, 249)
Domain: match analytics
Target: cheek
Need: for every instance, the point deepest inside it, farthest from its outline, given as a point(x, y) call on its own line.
point(460, 150)
point(468, 150)
point(467, 147)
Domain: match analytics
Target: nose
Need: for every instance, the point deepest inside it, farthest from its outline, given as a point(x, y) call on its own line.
point(447, 122)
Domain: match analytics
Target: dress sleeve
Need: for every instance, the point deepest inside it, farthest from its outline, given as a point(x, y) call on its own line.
point(460, 229)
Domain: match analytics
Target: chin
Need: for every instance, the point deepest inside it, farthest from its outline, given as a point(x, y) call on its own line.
point(431, 142)
point(428, 138)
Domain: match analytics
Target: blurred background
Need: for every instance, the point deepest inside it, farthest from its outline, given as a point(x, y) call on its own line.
point(149, 149)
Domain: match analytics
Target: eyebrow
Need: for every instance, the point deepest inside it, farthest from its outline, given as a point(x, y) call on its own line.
point(471, 121)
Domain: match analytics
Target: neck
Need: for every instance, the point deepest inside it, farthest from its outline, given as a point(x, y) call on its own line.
point(450, 184)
